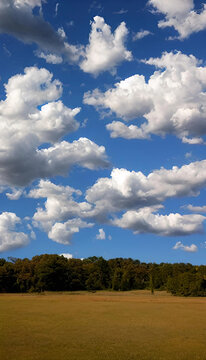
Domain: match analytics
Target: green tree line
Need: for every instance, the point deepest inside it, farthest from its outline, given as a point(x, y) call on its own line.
point(57, 273)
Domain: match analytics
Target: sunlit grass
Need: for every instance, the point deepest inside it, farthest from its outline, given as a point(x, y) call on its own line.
point(102, 326)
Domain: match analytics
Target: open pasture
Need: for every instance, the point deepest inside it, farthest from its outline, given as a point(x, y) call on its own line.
point(102, 326)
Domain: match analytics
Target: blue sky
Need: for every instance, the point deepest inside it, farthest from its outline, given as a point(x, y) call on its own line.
point(102, 126)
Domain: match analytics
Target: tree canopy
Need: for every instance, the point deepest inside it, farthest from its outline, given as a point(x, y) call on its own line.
point(57, 273)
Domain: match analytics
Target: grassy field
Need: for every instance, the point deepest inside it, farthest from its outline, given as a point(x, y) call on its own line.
point(102, 326)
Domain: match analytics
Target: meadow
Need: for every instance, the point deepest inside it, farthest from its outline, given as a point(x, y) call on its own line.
point(133, 325)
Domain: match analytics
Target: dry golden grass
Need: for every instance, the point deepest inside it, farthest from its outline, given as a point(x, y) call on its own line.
point(102, 326)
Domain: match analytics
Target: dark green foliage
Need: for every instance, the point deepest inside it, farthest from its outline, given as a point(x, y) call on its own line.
point(56, 273)
point(117, 279)
point(187, 284)
point(8, 281)
point(51, 273)
point(152, 279)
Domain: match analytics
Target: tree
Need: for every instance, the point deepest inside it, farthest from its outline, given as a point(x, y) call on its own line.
point(152, 279)
point(51, 273)
point(117, 278)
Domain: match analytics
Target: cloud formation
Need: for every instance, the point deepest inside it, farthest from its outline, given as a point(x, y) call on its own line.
point(101, 235)
point(141, 34)
point(134, 197)
point(105, 50)
point(17, 19)
point(10, 237)
point(172, 101)
point(62, 232)
point(198, 209)
point(145, 221)
point(128, 190)
point(180, 15)
point(119, 129)
point(120, 12)
point(50, 58)
point(15, 194)
point(26, 124)
point(62, 215)
point(191, 248)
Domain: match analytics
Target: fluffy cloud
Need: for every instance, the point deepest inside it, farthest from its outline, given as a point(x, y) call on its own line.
point(61, 215)
point(134, 196)
point(191, 248)
point(17, 19)
point(198, 209)
point(62, 232)
point(145, 221)
point(50, 58)
point(25, 125)
point(173, 8)
point(193, 141)
point(180, 15)
point(48, 189)
point(141, 196)
point(101, 235)
point(119, 129)
point(141, 34)
point(10, 238)
point(126, 190)
point(172, 101)
point(105, 50)
point(15, 194)
point(129, 99)
point(60, 205)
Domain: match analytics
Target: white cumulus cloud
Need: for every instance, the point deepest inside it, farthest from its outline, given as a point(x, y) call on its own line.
point(181, 15)
point(128, 190)
point(101, 235)
point(105, 49)
point(127, 199)
point(26, 124)
point(62, 232)
point(50, 58)
point(198, 209)
point(145, 221)
point(119, 129)
point(193, 141)
point(10, 237)
point(61, 216)
point(181, 246)
point(172, 101)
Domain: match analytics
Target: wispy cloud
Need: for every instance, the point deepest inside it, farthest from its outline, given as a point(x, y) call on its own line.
point(141, 34)
point(197, 209)
point(191, 248)
point(120, 12)
point(56, 9)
